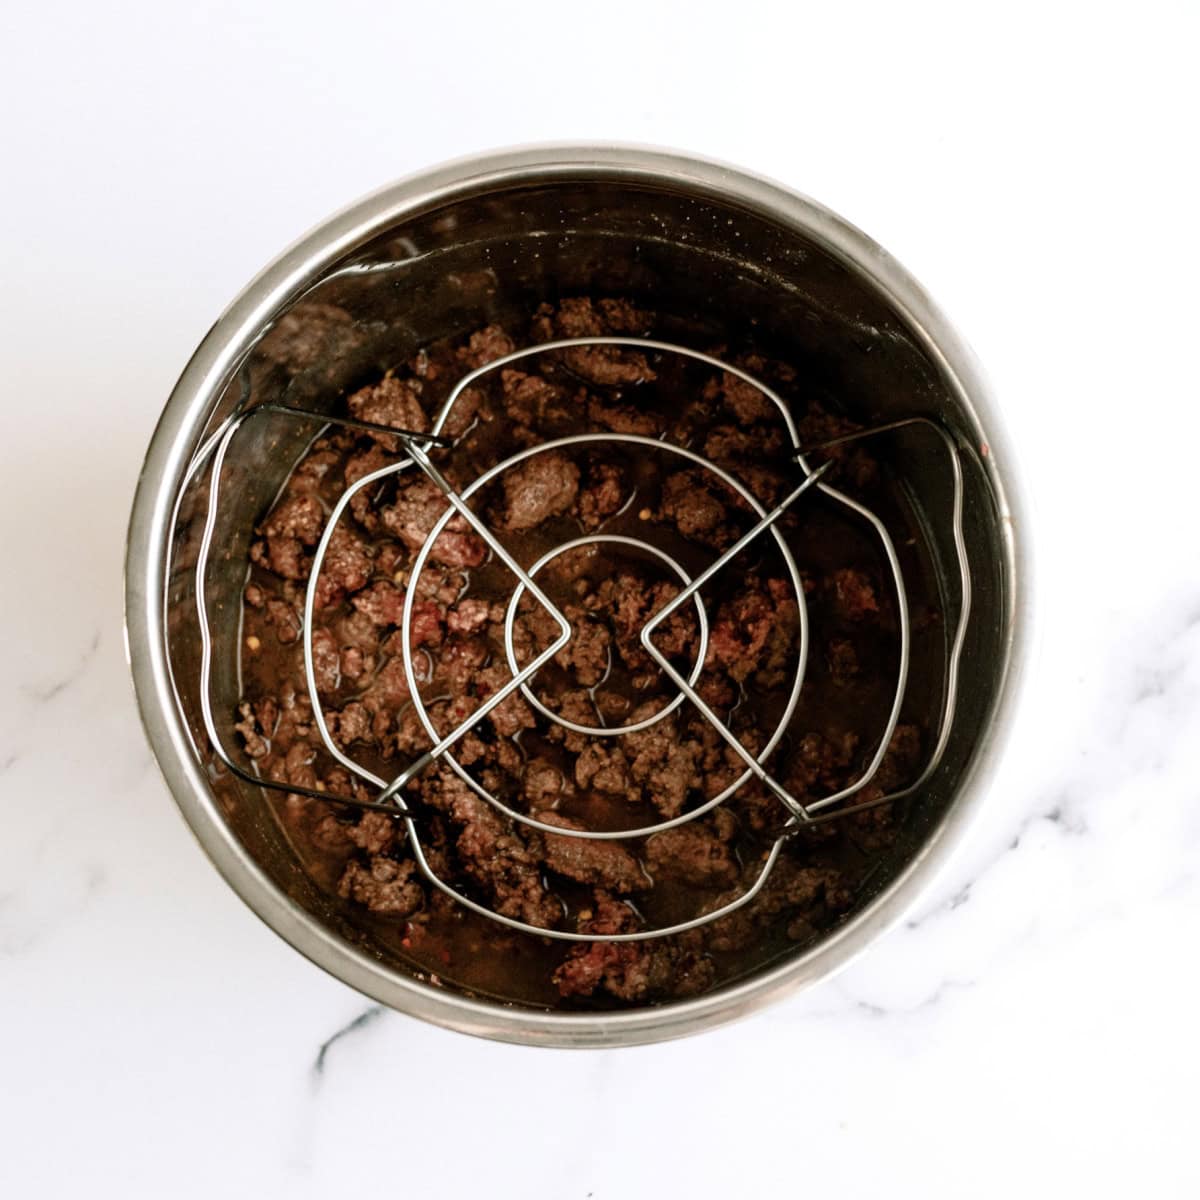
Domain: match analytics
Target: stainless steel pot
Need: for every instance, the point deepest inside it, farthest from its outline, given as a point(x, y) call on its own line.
point(473, 241)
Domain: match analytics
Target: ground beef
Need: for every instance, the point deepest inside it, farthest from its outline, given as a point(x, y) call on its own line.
point(354, 664)
point(853, 594)
point(789, 889)
point(290, 531)
point(581, 316)
point(485, 346)
point(586, 655)
point(604, 767)
point(285, 620)
point(366, 462)
point(632, 971)
point(530, 400)
point(418, 506)
point(388, 691)
point(315, 468)
point(346, 567)
point(541, 487)
point(842, 660)
point(899, 764)
point(661, 761)
point(740, 445)
point(620, 418)
point(382, 603)
point(602, 495)
point(392, 401)
point(492, 852)
point(755, 632)
point(607, 366)
point(327, 661)
point(603, 676)
point(745, 401)
point(386, 886)
point(512, 714)
point(853, 464)
point(458, 662)
point(470, 409)
point(627, 602)
point(606, 863)
point(542, 785)
point(254, 737)
point(693, 854)
point(468, 616)
point(821, 765)
point(374, 832)
point(691, 502)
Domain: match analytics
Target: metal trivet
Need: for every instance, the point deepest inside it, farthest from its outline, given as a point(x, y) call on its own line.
point(417, 446)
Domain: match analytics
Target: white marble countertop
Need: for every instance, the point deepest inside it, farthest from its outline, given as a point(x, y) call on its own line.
point(1032, 1027)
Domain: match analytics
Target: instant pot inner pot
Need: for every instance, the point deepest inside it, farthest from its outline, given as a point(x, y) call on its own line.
point(717, 276)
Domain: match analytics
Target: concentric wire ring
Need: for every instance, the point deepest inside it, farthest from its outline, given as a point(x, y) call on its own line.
point(389, 799)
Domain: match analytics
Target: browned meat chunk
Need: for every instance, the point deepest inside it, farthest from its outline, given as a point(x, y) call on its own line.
point(492, 854)
point(609, 366)
point(375, 833)
point(662, 762)
point(694, 507)
point(853, 462)
point(326, 660)
point(485, 346)
point(579, 317)
point(426, 627)
point(418, 506)
point(756, 632)
point(386, 886)
point(791, 890)
point(628, 602)
point(285, 620)
point(467, 617)
point(254, 737)
point(293, 527)
point(541, 487)
point(374, 458)
point(350, 724)
point(531, 400)
point(392, 401)
point(693, 854)
point(853, 594)
point(603, 495)
point(512, 714)
point(542, 785)
point(586, 655)
point(585, 860)
point(842, 660)
point(631, 970)
point(622, 418)
point(739, 444)
point(346, 567)
point(602, 766)
point(459, 662)
point(745, 401)
point(382, 602)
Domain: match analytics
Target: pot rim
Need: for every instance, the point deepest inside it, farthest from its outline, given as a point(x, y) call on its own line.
point(200, 385)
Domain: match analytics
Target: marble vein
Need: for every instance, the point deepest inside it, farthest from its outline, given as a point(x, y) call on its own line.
point(44, 693)
point(364, 1019)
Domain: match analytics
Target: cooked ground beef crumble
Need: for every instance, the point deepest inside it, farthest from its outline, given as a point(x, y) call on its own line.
point(602, 678)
